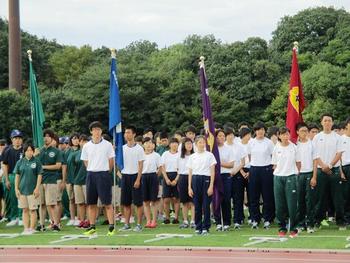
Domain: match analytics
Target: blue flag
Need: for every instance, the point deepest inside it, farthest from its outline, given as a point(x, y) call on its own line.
point(115, 118)
point(212, 145)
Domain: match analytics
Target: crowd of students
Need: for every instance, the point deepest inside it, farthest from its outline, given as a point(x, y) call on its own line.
point(170, 179)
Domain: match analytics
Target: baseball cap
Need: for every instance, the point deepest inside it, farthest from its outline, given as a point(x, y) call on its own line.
point(16, 133)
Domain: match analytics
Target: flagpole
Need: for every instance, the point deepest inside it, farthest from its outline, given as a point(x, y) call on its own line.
point(29, 52)
point(113, 56)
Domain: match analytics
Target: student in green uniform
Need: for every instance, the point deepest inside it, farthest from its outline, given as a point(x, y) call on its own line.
point(70, 170)
point(28, 172)
point(10, 157)
point(79, 182)
point(286, 166)
point(63, 147)
point(51, 159)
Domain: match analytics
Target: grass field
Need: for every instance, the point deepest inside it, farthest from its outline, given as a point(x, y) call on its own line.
point(325, 238)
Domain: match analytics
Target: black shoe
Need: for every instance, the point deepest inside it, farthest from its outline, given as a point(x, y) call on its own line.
point(175, 221)
point(40, 228)
point(55, 228)
point(166, 221)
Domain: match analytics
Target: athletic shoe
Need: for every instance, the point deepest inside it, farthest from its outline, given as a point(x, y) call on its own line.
point(282, 233)
point(331, 219)
point(175, 221)
point(76, 222)
point(192, 224)
point(12, 223)
point(249, 221)
point(205, 232)
point(198, 232)
point(166, 221)
point(70, 222)
point(81, 224)
point(226, 228)
point(126, 227)
point(293, 234)
point(342, 228)
point(267, 225)
point(148, 225)
point(26, 232)
point(64, 218)
point(184, 225)
point(324, 223)
point(137, 228)
point(255, 225)
point(55, 228)
point(40, 228)
point(153, 225)
point(110, 233)
point(236, 226)
point(90, 231)
point(20, 222)
point(310, 230)
point(219, 228)
point(3, 220)
point(86, 224)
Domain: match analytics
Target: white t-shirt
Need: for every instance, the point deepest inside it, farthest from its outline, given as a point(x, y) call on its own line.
point(200, 163)
point(132, 156)
point(182, 164)
point(238, 152)
point(260, 151)
point(169, 161)
point(151, 163)
point(226, 154)
point(304, 154)
point(246, 157)
point(346, 154)
point(97, 155)
point(285, 158)
point(326, 146)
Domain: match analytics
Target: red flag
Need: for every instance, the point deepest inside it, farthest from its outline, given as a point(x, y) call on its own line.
point(296, 100)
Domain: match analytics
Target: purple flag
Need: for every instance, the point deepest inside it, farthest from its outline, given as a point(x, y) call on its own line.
point(211, 139)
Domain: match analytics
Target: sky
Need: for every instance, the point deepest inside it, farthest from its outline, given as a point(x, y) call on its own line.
point(117, 23)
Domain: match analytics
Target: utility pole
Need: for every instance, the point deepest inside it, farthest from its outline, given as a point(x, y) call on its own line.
point(15, 80)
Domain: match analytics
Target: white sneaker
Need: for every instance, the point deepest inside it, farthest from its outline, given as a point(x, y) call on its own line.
point(236, 226)
point(12, 223)
point(20, 222)
point(310, 230)
point(132, 220)
point(70, 222)
point(226, 228)
point(267, 224)
point(249, 221)
point(4, 219)
point(76, 222)
point(64, 218)
point(27, 232)
point(255, 225)
point(218, 227)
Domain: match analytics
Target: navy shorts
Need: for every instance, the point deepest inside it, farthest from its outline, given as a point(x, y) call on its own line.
point(129, 194)
point(168, 190)
point(98, 185)
point(182, 187)
point(150, 187)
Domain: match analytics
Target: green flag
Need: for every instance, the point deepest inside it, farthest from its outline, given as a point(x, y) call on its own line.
point(37, 112)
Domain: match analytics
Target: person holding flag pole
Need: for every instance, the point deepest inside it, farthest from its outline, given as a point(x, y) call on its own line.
point(115, 124)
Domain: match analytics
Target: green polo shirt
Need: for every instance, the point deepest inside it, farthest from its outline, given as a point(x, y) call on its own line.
point(71, 165)
point(50, 156)
point(28, 171)
point(80, 169)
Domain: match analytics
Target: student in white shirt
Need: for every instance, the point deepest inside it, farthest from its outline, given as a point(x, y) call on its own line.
point(345, 169)
point(150, 182)
point(131, 190)
point(306, 193)
point(261, 178)
point(185, 199)
point(227, 159)
point(286, 166)
point(169, 168)
point(328, 149)
point(201, 175)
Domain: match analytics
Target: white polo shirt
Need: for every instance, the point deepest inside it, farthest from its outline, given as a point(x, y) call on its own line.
point(346, 146)
point(200, 163)
point(226, 154)
point(246, 157)
point(97, 155)
point(260, 151)
point(169, 161)
point(151, 163)
point(132, 156)
point(285, 158)
point(304, 154)
point(182, 164)
point(326, 146)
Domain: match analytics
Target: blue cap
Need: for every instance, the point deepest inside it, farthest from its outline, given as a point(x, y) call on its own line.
point(61, 140)
point(16, 133)
point(66, 140)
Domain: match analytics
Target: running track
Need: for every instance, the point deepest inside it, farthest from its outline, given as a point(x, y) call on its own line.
point(165, 255)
